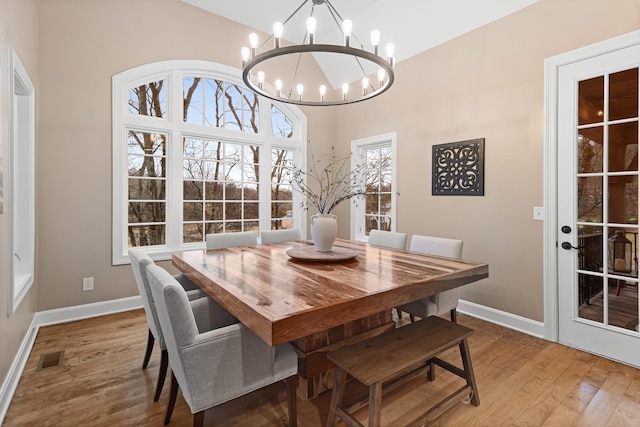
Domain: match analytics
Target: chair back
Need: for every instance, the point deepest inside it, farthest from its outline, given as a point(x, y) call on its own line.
point(176, 319)
point(388, 239)
point(139, 262)
point(226, 240)
point(278, 236)
point(438, 246)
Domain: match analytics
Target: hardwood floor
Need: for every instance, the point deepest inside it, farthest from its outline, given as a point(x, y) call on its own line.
point(523, 381)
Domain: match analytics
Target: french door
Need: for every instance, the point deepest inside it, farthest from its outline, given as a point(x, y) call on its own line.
point(598, 225)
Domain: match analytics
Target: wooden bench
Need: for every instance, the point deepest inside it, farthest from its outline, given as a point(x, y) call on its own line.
point(393, 354)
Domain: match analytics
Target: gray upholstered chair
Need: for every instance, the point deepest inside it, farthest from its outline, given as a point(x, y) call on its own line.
point(139, 261)
point(388, 239)
point(216, 366)
point(225, 240)
point(443, 302)
point(278, 236)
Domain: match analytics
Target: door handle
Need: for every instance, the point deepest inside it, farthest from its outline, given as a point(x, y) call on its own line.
point(567, 246)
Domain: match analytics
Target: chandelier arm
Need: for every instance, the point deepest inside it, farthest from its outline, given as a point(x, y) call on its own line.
point(334, 12)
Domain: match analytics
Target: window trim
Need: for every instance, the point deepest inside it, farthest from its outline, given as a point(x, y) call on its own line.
point(22, 183)
point(174, 71)
point(358, 146)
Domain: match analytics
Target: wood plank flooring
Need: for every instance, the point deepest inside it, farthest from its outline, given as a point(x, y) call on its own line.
point(523, 381)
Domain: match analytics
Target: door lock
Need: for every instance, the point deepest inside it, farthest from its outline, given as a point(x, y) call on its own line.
point(566, 229)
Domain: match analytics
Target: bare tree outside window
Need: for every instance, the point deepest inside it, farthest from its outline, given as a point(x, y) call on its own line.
point(220, 179)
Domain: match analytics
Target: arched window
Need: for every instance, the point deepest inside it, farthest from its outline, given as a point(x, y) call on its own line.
point(195, 153)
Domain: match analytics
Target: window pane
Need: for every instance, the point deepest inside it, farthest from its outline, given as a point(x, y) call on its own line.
point(192, 211)
point(192, 190)
point(193, 100)
point(590, 301)
point(192, 233)
point(232, 210)
point(146, 212)
point(146, 235)
point(590, 244)
point(146, 189)
point(213, 190)
point(213, 92)
point(213, 211)
point(149, 99)
point(251, 211)
point(281, 124)
point(373, 205)
point(250, 192)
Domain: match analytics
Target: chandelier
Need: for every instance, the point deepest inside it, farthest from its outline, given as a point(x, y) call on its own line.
point(376, 72)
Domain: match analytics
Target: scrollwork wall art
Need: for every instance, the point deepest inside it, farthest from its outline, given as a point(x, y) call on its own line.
point(458, 168)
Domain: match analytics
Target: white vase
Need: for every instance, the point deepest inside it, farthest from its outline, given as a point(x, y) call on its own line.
point(324, 229)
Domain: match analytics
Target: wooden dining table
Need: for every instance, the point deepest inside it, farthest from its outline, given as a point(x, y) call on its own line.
point(319, 305)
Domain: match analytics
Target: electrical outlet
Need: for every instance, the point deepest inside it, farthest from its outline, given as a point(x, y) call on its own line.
point(87, 283)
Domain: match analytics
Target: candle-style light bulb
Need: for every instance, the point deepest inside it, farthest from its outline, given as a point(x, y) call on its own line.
point(323, 91)
point(300, 89)
point(260, 79)
point(375, 40)
point(278, 84)
point(253, 42)
point(347, 27)
point(278, 29)
point(345, 90)
point(390, 49)
point(381, 76)
point(312, 23)
point(365, 85)
point(245, 53)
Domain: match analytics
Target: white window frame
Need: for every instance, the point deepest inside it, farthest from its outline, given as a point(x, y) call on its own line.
point(358, 148)
point(22, 183)
point(174, 72)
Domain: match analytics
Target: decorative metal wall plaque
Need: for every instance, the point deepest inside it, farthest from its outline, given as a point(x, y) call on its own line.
point(458, 168)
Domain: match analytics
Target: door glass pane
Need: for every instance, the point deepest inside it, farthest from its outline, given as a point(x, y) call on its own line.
point(590, 143)
point(590, 301)
point(591, 101)
point(623, 199)
point(623, 94)
point(590, 199)
point(590, 244)
point(623, 147)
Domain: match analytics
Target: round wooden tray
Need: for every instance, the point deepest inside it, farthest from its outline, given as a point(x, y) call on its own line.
point(309, 253)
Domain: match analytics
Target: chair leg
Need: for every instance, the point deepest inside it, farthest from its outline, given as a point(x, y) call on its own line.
point(147, 355)
point(164, 362)
point(292, 385)
point(172, 398)
point(198, 419)
point(454, 315)
point(412, 317)
point(399, 313)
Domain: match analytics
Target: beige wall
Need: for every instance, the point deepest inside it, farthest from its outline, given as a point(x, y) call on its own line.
point(17, 32)
point(486, 84)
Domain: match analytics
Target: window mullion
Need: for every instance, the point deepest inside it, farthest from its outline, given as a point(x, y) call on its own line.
point(174, 164)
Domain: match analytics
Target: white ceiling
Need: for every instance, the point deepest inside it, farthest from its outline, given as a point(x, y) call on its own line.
point(413, 26)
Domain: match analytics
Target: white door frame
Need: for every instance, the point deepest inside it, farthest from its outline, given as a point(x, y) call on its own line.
point(550, 239)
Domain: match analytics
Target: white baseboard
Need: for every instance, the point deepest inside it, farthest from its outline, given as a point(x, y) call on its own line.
point(85, 311)
point(502, 318)
point(15, 370)
point(52, 317)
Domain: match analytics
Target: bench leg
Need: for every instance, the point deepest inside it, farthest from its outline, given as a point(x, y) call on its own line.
point(375, 403)
point(292, 385)
point(336, 396)
point(468, 370)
